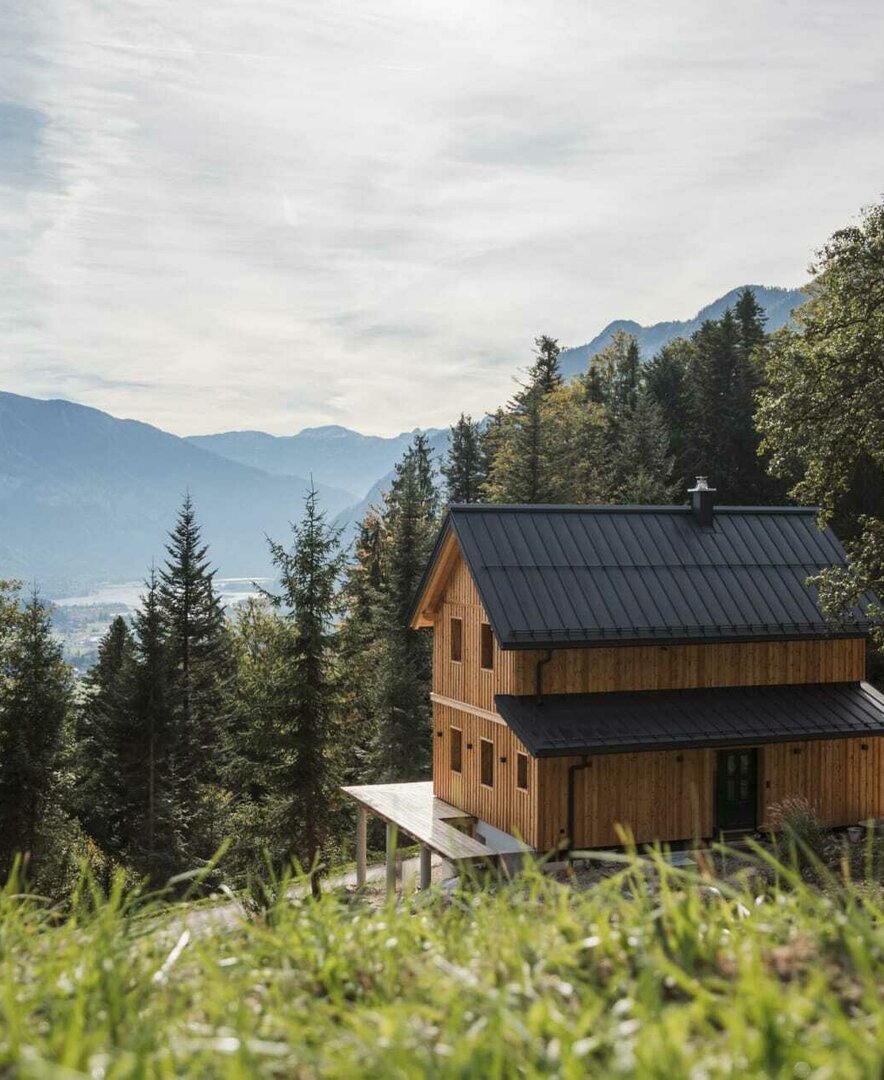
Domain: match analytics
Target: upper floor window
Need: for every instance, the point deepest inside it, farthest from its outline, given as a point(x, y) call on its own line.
point(522, 772)
point(487, 644)
point(486, 762)
point(456, 640)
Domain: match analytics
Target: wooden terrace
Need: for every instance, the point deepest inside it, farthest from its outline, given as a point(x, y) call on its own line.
point(438, 827)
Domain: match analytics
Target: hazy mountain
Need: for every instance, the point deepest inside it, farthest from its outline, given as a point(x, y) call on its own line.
point(85, 497)
point(777, 303)
point(331, 454)
point(350, 517)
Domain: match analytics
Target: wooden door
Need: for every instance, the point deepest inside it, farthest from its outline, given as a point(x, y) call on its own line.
point(736, 790)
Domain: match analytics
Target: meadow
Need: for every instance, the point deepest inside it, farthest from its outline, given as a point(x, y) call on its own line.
point(654, 971)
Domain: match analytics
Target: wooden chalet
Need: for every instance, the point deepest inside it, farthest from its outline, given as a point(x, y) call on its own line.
point(661, 669)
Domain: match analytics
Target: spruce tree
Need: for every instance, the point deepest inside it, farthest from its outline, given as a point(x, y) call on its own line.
point(596, 387)
point(309, 576)
point(148, 746)
point(401, 744)
point(197, 649)
point(750, 317)
point(359, 642)
point(464, 468)
point(578, 444)
point(625, 375)
point(644, 461)
point(712, 378)
point(99, 794)
point(522, 467)
point(665, 380)
point(724, 441)
point(35, 702)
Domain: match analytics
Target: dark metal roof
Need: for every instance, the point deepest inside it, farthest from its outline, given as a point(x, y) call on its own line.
point(680, 719)
point(552, 576)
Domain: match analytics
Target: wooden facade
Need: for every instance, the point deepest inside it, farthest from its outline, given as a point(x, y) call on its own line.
point(665, 795)
point(502, 804)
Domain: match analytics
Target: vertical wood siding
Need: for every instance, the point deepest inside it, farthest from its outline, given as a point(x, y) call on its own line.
point(841, 780)
point(467, 681)
point(504, 805)
point(658, 795)
point(681, 667)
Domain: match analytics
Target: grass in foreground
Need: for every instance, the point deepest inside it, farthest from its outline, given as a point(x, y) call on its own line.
point(652, 973)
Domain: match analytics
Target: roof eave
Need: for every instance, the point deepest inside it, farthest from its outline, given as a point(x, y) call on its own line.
point(710, 744)
point(614, 640)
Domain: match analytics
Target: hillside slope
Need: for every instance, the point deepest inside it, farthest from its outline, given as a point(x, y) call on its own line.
point(86, 497)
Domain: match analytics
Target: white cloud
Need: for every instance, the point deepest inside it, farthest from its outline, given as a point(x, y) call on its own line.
point(279, 213)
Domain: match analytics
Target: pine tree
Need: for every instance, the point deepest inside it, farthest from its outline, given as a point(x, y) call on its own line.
point(401, 743)
point(520, 471)
point(308, 577)
point(197, 649)
point(465, 468)
point(35, 701)
point(99, 795)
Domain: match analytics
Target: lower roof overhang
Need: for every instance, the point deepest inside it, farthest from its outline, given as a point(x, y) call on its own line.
point(616, 723)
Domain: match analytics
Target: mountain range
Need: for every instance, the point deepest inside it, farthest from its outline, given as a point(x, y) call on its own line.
point(778, 305)
point(331, 455)
point(87, 498)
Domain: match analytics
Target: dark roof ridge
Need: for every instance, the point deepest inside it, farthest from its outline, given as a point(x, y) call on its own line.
point(623, 508)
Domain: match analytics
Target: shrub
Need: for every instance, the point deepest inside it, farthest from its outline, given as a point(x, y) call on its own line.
point(800, 836)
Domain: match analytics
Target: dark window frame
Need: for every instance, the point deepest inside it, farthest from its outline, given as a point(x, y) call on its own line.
point(486, 763)
point(486, 647)
point(522, 772)
point(455, 654)
point(456, 759)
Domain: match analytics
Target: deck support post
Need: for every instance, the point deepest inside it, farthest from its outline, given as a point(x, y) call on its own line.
point(361, 845)
point(391, 858)
point(426, 867)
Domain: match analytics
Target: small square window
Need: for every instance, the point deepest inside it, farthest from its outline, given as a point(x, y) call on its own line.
point(487, 647)
point(457, 640)
point(486, 762)
point(456, 750)
point(522, 772)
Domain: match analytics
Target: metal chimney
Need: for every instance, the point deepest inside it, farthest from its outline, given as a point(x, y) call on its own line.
point(703, 502)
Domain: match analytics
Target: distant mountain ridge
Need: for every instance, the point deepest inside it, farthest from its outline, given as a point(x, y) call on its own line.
point(86, 497)
point(778, 305)
point(331, 454)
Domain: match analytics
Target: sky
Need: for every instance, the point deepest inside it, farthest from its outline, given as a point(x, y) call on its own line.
point(278, 214)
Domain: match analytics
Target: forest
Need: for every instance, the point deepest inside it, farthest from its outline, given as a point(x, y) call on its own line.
point(201, 743)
